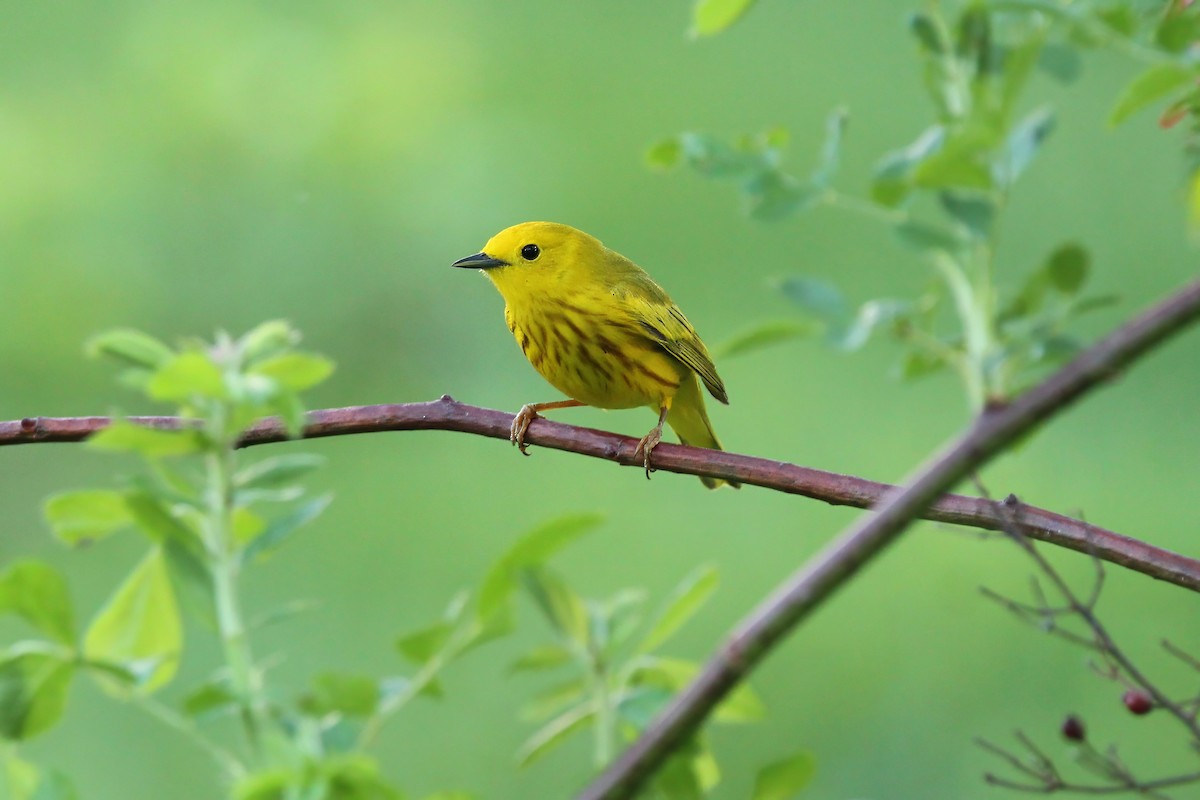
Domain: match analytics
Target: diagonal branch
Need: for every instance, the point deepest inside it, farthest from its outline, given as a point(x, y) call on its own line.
point(830, 487)
point(997, 428)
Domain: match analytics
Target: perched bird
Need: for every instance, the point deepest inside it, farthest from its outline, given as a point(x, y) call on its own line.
point(601, 331)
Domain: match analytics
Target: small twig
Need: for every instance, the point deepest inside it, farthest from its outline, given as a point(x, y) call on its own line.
point(830, 487)
point(1182, 655)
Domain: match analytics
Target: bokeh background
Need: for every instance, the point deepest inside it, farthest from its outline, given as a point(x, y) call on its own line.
point(187, 167)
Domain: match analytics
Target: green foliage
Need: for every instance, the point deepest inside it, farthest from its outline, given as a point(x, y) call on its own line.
point(784, 779)
point(714, 16)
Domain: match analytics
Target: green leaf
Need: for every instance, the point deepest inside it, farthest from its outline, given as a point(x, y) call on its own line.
point(543, 657)
point(554, 700)
point(25, 781)
point(775, 196)
point(33, 690)
point(37, 592)
point(783, 780)
point(893, 175)
point(122, 436)
point(267, 340)
point(131, 346)
point(534, 547)
point(277, 470)
point(422, 645)
point(766, 334)
point(928, 33)
point(918, 364)
point(210, 699)
point(1061, 61)
point(280, 528)
point(871, 315)
point(295, 372)
point(665, 155)
point(741, 705)
point(1153, 84)
point(640, 706)
point(717, 159)
point(818, 298)
point(291, 411)
point(952, 169)
point(835, 129)
point(80, 518)
point(686, 599)
point(155, 518)
point(554, 733)
point(1023, 144)
point(1068, 267)
point(561, 606)
point(185, 377)
point(140, 623)
point(974, 211)
point(342, 693)
point(1178, 31)
point(925, 238)
point(710, 17)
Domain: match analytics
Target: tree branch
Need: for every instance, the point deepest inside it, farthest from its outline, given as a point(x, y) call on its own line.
point(830, 487)
point(826, 572)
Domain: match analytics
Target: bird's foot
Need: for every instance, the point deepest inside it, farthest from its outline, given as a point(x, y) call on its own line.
point(646, 445)
point(520, 425)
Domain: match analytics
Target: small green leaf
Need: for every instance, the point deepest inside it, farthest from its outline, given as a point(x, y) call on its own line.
point(1178, 31)
point(717, 159)
point(783, 780)
point(295, 372)
point(131, 346)
point(1067, 268)
point(1061, 61)
point(554, 733)
point(122, 436)
point(25, 781)
point(974, 211)
point(1153, 84)
point(543, 657)
point(534, 547)
point(710, 17)
point(686, 599)
point(561, 606)
point(82, 517)
point(140, 623)
point(871, 315)
point(1023, 144)
point(818, 298)
point(665, 155)
point(37, 592)
point(835, 129)
point(775, 196)
point(342, 693)
point(952, 169)
point(640, 706)
point(919, 363)
point(210, 699)
point(291, 411)
point(740, 706)
point(185, 377)
point(893, 175)
point(33, 691)
point(925, 238)
point(1120, 17)
point(280, 528)
point(267, 340)
point(422, 645)
point(155, 518)
point(928, 33)
point(554, 700)
point(277, 470)
point(767, 334)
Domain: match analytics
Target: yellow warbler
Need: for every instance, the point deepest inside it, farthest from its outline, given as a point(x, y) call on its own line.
point(601, 331)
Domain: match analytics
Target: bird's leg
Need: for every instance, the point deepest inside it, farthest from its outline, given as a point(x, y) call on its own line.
point(651, 439)
point(527, 414)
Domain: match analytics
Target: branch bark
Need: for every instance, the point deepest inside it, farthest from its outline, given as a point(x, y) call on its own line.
point(830, 487)
point(830, 569)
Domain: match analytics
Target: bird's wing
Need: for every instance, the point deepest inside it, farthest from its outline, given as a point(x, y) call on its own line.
point(666, 325)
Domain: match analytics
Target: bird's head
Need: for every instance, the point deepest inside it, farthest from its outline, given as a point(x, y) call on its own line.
point(536, 258)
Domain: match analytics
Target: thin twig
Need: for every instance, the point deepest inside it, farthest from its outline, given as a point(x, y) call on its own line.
point(830, 487)
point(830, 569)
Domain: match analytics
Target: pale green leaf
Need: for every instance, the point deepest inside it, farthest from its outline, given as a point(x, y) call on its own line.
point(131, 346)
point(122, 436)
point(277, 470)
point(561, 606)
point(1153, 84)
point(85, 516)
point(543, 657)
point(280, 528)
point(783, 780)
point(686, 599)
point(140, 623)
point(185, 377)
point(33, 691)
point(37, 592)
point(554, 733)
point(342, 693)
point(295, 372)
point(710, 17)
point(267, 340)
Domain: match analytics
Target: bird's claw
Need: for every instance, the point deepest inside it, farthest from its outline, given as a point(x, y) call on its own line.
point(520, 425)
point(645, 446)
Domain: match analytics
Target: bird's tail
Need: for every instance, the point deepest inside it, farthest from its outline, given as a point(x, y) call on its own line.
point(689, 419)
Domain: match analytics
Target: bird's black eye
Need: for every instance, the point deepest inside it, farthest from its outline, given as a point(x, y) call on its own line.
point(530, 252)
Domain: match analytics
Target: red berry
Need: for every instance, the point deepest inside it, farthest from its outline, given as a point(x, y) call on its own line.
point(1072, 728)
point(1137, 701)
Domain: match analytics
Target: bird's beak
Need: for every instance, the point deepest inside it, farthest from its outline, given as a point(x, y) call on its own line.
point(479, 261)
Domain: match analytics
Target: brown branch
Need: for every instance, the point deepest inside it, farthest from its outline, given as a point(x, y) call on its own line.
point(830, 569)
point(830, 487)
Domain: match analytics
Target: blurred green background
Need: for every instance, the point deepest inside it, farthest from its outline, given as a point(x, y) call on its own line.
point(185, 167)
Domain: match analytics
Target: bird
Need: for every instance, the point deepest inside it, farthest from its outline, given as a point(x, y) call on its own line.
point(601, 331)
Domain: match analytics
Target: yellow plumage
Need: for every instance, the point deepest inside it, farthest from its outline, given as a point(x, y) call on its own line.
point(600, 330)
